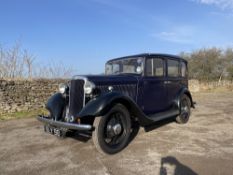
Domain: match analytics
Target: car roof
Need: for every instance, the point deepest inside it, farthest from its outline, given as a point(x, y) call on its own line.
point(149, 54)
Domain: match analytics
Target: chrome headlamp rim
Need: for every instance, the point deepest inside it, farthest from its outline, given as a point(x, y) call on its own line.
point(62, 88)
point(89, 86)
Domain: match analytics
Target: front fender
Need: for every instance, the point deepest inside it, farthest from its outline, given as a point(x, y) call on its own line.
point(102, 104)
point(55, 105)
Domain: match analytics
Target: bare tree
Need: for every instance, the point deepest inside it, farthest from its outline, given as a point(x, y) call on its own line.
point(11, 62)
point(28, 59)
point(54, 70)
point(16, 63)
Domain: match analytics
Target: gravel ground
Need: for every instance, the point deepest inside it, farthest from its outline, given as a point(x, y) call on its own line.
point(203, 146)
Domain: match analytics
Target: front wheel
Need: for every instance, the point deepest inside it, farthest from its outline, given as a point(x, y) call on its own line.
point(112, 131)
point(185, 110)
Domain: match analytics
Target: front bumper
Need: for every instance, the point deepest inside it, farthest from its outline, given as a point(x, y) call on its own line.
point(58, 124)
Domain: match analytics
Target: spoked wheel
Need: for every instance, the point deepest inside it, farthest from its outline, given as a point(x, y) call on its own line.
point(185, 110)
point(112, 131)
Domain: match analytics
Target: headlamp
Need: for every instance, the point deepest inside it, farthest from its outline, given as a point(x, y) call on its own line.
point(89, 87)
point(62, 88)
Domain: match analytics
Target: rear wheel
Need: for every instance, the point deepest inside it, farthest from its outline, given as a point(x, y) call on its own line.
point(112, 131)
point(185, 110)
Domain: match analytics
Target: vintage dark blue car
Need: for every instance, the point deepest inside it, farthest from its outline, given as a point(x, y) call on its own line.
point(141, 89)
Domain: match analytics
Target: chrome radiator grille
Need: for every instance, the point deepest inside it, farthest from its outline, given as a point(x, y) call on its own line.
point(77, 97)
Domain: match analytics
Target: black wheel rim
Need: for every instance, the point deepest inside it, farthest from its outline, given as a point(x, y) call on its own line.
point(185, 109)
point(111, 138)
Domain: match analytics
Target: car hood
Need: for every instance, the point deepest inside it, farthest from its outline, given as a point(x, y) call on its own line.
point(112, 79)
point(124, 84)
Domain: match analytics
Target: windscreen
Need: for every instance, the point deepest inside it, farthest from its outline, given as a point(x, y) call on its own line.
point(125, 66)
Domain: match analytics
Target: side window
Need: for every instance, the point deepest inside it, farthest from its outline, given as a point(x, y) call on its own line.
point(173, 68)
point(183, 69)
point(155, 67)
point(158, 67)
point(149, 67)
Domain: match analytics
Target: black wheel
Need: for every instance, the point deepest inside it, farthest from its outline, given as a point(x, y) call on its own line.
point(112, 131)
point(185, 110)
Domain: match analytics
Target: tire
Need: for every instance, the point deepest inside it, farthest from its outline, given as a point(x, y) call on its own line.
point(185, 110)
point(105, 138)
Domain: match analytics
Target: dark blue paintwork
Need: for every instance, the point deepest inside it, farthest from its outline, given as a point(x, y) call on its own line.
point(152, 94)
point(148, 99)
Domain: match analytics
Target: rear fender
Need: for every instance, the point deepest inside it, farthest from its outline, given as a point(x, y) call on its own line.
point(186, 92)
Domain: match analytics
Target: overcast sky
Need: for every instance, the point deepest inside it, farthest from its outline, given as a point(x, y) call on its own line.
point(86, 33)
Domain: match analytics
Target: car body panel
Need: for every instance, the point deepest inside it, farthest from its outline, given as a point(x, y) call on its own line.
point(148, 99)
point(55, 105)
point(154, 95)
point(126, 84)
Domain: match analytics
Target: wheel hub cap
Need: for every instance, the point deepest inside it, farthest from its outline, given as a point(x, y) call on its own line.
point(117, 129)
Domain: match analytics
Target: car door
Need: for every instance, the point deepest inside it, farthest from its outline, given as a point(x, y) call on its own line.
point(174, 80)
point(154, 91)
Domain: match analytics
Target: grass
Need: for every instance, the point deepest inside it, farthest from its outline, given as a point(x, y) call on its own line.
point(23, 114)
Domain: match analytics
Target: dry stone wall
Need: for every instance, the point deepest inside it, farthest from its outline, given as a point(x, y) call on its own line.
point(16, 96)
point(197, 86)
point(25, 95)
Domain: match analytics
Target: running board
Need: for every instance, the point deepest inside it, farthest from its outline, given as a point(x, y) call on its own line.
point(163, 115)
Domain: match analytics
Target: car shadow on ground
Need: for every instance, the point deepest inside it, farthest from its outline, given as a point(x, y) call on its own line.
point(85, 137)
point(159, 124)
point(79, 136)
point(171, 166)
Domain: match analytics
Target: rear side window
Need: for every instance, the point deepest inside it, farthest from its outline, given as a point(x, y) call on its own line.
point(173, 68)
point(183, 69)
point(155, 67)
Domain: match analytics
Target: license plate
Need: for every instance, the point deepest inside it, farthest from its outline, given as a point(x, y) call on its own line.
point(54, 131)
